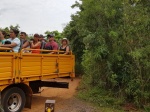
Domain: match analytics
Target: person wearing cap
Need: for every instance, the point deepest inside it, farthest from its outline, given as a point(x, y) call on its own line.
point(35, 44)
point(52, 43)
point(41, 38)
point(64, 48)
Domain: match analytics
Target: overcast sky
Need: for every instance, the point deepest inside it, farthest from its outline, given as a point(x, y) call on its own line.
point(36, 16)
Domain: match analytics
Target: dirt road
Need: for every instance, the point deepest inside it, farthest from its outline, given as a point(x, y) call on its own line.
point(65, 100)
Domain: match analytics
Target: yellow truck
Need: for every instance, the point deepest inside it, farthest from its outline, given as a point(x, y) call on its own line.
point(22, 74)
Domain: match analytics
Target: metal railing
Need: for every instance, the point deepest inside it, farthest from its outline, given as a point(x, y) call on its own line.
point(43, 50)
point(5, 49)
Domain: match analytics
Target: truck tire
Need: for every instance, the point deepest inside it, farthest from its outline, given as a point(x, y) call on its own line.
point(13, 100)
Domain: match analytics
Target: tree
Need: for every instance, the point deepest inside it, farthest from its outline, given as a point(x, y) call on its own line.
point(71, 31)
point(57, 34)
point(14, 27)
point(115, 57)
point(7, 29)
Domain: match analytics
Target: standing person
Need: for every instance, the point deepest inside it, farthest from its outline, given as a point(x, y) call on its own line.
point(2, 37)
point(24, 42)
point(15, 42)
point(64, 46)
point(35, 44)
point(52, 43)
point(43, 43)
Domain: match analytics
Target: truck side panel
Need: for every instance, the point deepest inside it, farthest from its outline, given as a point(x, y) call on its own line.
point(30, 65)
point(7, 68)
point(24, 67)
point(44, 66)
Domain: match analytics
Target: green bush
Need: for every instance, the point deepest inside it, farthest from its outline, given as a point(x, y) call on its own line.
point(116, 52)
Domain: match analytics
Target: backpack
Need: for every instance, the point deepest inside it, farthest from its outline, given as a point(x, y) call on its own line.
point(5, 43)
point(43, 45)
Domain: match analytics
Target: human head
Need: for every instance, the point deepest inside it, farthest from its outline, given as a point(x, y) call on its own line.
point(64, 41)
point(50, 37)
point(14, 33)
point(41, 37)
point(23, 35)
point(2, 35)
point(36, 37)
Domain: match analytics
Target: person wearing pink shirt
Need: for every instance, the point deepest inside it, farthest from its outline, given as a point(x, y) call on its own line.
point(51, 44)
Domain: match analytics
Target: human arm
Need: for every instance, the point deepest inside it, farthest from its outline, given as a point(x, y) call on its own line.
point(13, 44)
point(36, 45)
point(67, 50)
point(26, 44)
point(55, 47)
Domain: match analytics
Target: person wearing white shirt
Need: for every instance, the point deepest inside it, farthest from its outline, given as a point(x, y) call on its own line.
point(15, 42)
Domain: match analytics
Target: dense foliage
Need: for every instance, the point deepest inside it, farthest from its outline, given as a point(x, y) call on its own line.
point(56, 33)
point(71, 32)
point(111, 38)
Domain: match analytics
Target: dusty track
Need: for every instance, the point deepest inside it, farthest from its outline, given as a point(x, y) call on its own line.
point(65, 100)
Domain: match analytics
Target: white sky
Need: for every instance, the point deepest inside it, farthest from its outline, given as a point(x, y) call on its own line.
point(36, 16)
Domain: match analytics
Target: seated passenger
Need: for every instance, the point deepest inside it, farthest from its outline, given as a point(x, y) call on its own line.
point(64, 46)
point(51, 43)
point(2, 37)
point(15, 42)
point(35, 44)
point(24, 42)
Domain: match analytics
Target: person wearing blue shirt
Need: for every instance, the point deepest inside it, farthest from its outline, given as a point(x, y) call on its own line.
point(2, 37)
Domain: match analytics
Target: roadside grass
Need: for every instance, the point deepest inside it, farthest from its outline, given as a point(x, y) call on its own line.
point(100, 98)
point(102, 103)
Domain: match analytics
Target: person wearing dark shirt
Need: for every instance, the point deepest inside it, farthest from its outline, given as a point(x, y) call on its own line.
point(64, 48)
point(24, 42)
point(43, 43)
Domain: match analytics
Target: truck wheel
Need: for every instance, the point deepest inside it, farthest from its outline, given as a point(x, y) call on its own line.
point(13, 100)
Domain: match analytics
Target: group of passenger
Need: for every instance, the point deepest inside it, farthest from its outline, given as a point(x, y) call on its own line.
point(38, 42)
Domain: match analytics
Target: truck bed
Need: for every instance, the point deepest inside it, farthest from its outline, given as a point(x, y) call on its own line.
point(25, 67)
